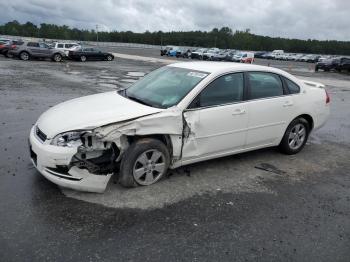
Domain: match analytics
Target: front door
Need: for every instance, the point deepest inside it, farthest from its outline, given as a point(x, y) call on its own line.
point(216, 120)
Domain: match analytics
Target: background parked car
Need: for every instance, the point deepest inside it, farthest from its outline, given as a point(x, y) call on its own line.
point(259, 54)
point(4, 49)
point(89, 53)
point(244, 57)
point(198, 53)
point(220, 56)
point(66, 47)
point(173, 51)
point(183, 52)
point(268, 55)
point(209, 54)
point(326, 65)
point(29, 50)
point(343, 64)
point(164, 51)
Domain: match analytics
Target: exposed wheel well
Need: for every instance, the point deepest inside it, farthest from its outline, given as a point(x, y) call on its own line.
point(161, 137)
point(308, 118)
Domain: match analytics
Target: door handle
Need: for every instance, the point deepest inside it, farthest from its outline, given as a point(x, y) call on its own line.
point(238, 111)
point(288, 103)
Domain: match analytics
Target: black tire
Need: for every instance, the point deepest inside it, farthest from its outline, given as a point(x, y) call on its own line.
point(285, 146)
point(83, 58)
point(109, 58)
point(8, 55)
point(128, 162)
point(316, 69)
point(57, 57)
point(24, 56)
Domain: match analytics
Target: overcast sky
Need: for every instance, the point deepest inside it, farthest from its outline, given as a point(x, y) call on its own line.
point(315, 19)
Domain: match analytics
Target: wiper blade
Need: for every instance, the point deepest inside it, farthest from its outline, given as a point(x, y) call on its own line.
point(122, 92)
point(137, 100)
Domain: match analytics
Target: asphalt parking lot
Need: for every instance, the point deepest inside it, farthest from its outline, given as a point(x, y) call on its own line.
point(258, 206)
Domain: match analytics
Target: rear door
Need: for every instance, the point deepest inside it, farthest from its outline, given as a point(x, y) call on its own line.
point(34, 49)
point(270, 109)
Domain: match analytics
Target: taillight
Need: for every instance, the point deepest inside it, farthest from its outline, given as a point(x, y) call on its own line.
point(328, 99)
point(13, 46)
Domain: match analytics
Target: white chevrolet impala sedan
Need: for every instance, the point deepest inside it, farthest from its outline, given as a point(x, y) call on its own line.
point(177, 115)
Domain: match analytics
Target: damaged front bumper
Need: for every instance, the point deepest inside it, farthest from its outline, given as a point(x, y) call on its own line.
point(54, 163)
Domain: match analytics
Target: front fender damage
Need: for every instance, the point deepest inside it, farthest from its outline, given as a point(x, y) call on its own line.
point(103, 148)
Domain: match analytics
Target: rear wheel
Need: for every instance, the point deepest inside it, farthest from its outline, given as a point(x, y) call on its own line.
point(295, 136)
point(82, 58)
point(57, 58)
point(144, 163)
point(8, 55)
point(109, 58)
point(24, 56)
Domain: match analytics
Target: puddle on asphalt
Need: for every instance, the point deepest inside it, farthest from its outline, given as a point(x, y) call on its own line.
point(74, 72)
point(115, 81)
point(136, 74)
point(129, 80)
point(109, 77)
point(108, 85)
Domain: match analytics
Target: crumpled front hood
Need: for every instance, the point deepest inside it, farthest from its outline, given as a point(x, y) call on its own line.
point(90, 112)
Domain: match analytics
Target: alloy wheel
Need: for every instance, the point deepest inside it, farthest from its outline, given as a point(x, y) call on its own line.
point(297, 136)
point(149, 167)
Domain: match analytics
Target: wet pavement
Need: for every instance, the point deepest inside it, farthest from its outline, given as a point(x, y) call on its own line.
point(257, 206)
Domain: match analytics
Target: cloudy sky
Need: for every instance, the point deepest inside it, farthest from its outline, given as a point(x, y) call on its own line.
point(315, 19)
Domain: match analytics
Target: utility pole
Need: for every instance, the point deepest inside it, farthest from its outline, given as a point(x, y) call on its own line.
point(96, 33)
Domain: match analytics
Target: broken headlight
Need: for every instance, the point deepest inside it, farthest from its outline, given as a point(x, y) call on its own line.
point(68, 139)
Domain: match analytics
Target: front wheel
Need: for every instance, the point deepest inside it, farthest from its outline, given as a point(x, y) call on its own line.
point(82, 58)
point(295, 136)
point(144, 163)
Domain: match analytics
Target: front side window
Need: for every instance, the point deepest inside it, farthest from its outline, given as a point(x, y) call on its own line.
point(59, 45)
point(165, 87)
point(223, 90)
point(43, 45)
point(264, 85)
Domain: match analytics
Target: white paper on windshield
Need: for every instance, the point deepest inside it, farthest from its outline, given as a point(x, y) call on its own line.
point(197, 74)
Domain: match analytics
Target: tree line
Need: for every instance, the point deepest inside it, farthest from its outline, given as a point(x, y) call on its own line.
point(224, 38)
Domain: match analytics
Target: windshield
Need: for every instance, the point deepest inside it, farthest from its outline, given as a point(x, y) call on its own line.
point(165, 87)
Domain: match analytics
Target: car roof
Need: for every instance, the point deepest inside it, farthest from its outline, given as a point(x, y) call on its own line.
point(221, 67)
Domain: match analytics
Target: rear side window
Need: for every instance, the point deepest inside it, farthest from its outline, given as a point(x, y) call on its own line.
point(264, 85)
point(292, 87)
point(223, 90)
point(59, 45)
point(33, 44)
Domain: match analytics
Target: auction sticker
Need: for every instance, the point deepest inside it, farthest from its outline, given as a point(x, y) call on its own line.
point(197, 74)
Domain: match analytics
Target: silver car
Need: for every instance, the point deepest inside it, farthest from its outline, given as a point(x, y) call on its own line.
point(37, 50)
